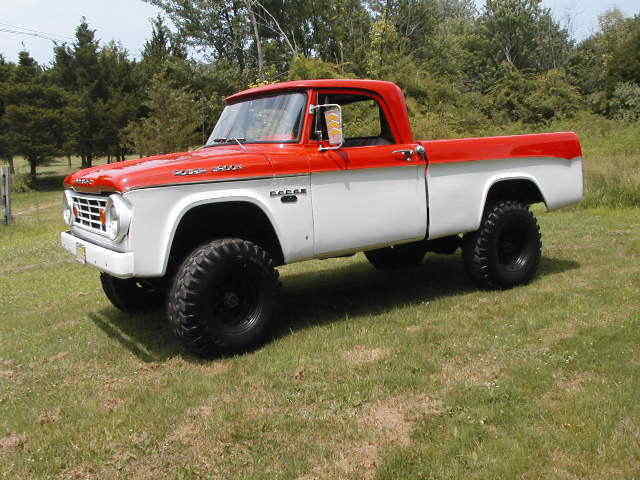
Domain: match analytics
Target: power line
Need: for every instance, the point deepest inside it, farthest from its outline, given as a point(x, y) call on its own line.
point(35, 30)
point(8, 28)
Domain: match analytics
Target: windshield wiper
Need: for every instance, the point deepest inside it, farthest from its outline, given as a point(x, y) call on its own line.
point(218, 141)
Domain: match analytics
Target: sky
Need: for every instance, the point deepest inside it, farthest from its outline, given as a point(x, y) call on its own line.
point(128, 21)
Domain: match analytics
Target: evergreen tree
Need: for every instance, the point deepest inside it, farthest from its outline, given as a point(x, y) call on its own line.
point(77, 69)
point(172, 124)
point(35, 119)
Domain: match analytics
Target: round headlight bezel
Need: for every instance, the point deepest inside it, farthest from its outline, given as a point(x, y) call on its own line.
point(118, 218)
point(67, 208)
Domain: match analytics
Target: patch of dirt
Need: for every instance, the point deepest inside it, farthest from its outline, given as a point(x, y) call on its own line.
point(111, 404)
point(393, 418)
point(8, 374)
point(550, 336)
point(58, 356)
point(564, 388)
point(12, 442)
point(561, 462)
point(387, 422)
point(482, 370)
point(362, 459)
point(575, 383)
point(213, 368)
point(415, 328)
point(49, 416)
point(200, 412)
point(361, 355)
point(79, 472)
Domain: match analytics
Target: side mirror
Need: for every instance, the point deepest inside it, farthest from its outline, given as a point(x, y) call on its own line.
point(333, 119)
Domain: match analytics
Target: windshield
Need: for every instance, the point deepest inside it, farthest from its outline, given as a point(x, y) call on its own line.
point(273, 119)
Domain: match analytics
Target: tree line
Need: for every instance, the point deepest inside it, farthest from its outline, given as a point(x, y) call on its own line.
point(463, 70)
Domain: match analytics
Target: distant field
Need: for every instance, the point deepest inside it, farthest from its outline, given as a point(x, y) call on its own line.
point(413, 374)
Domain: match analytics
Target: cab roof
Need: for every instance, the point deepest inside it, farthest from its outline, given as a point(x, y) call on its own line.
point(378, 86)
point(391, 95)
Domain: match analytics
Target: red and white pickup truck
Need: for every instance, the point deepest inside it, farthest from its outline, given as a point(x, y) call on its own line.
point(303, 170)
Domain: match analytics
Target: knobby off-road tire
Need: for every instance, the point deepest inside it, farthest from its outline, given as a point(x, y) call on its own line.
point(506, 250)
point(132, 295)
point(398, 256)
point(222, 298)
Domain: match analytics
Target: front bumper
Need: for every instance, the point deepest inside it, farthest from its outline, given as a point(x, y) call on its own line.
point(114, 263)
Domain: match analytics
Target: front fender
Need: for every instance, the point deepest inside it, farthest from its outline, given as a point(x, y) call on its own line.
point(157, 213)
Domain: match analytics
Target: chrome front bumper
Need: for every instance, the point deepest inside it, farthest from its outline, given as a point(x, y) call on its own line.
point(114, 263)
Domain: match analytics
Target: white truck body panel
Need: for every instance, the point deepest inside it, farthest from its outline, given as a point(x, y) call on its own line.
point(458, 190)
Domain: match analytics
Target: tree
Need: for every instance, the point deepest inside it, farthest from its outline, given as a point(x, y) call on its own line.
point(162, 48)
point(35, 115)
point(6, 145)
point(253, 35)
point(624, 62)
point(77, 69)
point(124, 97)
point(172, 124)
point(523, 34)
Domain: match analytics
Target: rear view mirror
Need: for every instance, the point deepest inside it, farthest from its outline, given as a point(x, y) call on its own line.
point(333, 119)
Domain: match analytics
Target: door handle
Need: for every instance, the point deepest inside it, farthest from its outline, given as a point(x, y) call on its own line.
point(407, 154)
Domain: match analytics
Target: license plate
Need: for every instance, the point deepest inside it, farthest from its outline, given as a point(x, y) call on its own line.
point(81, 253)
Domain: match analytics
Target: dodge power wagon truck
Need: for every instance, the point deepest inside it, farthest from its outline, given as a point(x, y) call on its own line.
point(308, 170)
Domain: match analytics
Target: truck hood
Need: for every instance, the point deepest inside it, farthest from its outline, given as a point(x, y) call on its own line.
point(208, 164)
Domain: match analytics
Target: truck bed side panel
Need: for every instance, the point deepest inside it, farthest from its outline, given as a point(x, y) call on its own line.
point(461, 172)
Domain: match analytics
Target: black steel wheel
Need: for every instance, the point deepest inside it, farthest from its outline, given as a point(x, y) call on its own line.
point(222, 298)
point(506, 250)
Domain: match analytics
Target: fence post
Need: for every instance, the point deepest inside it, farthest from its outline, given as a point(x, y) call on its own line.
point(5, 194)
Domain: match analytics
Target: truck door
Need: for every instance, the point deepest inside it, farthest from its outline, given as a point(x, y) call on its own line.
point(371, 192)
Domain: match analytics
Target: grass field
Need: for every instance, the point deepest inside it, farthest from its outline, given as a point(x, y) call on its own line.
point(413, 374)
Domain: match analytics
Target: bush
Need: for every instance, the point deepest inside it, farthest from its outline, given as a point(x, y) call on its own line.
point(305, 68)
point(21, 183)
point(534, 99)
point(625, 102)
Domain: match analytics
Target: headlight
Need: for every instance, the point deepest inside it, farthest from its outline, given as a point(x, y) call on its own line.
point(116, 218)
point(67, 208)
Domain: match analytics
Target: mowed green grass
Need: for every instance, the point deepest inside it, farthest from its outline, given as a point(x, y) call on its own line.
point(410, 374)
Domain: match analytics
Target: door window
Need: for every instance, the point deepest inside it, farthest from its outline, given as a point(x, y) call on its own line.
point(364, 122)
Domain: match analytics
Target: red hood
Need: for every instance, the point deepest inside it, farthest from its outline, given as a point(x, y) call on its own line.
point(202, 165)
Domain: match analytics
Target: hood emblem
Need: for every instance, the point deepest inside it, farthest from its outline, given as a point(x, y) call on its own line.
point(200, 171)
point(84, 181)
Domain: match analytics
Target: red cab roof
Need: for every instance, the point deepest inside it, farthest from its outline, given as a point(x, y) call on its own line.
point(377, 86)
point(389, 92)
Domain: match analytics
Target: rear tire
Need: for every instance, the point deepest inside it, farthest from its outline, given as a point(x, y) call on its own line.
point(223, 298)
point(506, 250)
point(397, 256)
point(132, 295)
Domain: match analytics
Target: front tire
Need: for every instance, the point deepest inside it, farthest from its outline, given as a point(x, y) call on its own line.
point(133, 295)
point(506, 250)
point(223, 297)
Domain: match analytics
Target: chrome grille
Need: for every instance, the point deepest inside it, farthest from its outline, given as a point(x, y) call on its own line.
point(86, 209)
